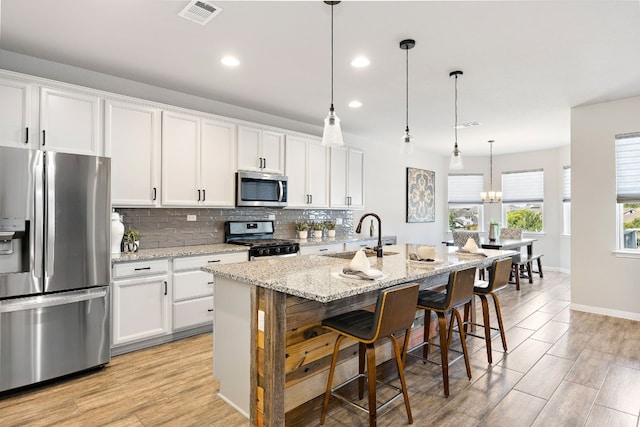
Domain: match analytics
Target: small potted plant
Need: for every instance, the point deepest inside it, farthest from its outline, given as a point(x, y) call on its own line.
point(131, 240)
point(302, 229)
point(331, 228)
point(318, 227)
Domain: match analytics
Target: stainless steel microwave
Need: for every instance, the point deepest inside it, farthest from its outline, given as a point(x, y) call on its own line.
point(261, 189)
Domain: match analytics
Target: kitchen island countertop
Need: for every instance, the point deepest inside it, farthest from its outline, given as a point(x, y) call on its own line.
point(315, 277)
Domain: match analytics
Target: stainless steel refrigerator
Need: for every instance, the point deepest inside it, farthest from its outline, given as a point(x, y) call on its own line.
point(54, 265)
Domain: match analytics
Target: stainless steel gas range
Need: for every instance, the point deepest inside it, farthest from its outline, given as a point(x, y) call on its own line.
point(258, 235)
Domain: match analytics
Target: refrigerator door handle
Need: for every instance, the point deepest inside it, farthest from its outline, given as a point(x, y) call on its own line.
point(38, 213)
point(52, 300)
point(49, 212)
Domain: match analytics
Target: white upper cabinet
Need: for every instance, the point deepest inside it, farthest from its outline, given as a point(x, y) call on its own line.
point(260, 150)
point(198, 155)
point(132, 139)
point(307, 167)
point(15, 114)
point(180, 141)
point(347, 178)
point(70, 122)
point(217, 160)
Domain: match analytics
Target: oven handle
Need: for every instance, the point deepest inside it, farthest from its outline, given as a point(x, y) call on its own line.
point(253, 257)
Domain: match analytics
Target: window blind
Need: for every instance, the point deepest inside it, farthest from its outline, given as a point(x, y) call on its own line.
point(566, 184)
point(523, 186)
point(465, 188)
point(628, 168)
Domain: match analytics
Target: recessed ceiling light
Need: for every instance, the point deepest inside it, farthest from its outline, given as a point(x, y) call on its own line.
point(468, 125)
point(360, 62)
point(230, 61)
point(355, 104)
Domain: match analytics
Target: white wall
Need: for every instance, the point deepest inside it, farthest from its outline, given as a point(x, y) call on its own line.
point(601, 282)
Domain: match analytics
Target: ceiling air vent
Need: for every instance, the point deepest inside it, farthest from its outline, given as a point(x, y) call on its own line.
point(200, 11)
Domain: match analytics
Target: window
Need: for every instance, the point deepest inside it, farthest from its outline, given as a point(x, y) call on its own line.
point(465, 206)
point(566, 199)
point(522, 197)
point(628, 188)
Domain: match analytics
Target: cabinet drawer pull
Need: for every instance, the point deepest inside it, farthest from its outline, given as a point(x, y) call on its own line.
point(209, 309)
point(214, 260)
point(142, 268)
point(323, 250)
point(209, 283)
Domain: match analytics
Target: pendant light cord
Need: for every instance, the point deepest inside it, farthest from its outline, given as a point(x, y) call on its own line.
point(455, 126)
point(407, 97)
point(332, 57)
point(490, 165)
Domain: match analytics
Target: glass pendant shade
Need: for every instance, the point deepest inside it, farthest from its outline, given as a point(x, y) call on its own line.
point(407, 143)
point(332, 135)
point(456, 159)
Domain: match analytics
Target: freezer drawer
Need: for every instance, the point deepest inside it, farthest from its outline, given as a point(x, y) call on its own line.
point(48, 336)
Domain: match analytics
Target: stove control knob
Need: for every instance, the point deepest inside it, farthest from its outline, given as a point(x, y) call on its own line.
point(277, 250)
point(263, 252)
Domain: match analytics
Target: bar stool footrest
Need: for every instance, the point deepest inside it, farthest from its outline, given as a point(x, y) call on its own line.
point(383, 406)
point(459, 355)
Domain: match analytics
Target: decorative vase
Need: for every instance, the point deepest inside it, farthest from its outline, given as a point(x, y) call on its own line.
point(331, 233)
point(131, 247)
point(492, 232)
point(317, 234)
point(117, 231)
point(302, 234)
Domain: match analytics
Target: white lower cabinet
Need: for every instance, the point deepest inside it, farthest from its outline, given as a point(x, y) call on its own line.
point(321, 249)
point(193, 289)
point(141, 301)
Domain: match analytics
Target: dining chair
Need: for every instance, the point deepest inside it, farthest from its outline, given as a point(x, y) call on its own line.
point(391, 315)
point(460, 237)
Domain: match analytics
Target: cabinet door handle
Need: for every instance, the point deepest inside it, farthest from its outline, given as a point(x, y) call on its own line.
point(154, 194)
point(214, 260)
point(209, 283)
point(310, 198)
point(44, 137)
point(26, 141)
point(265, 163)
point(209, 309)
point(204, 194)
point(165, 287)
point(142, 268)
point(198, 195)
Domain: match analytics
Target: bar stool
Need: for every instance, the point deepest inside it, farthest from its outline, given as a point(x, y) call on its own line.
point(459, 292)
point(392, 314)
point(498, 279)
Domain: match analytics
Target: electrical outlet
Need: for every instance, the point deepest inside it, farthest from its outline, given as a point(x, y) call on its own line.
point(191, 217)
point(312, 217)
point(272, 217)
point(338, 221)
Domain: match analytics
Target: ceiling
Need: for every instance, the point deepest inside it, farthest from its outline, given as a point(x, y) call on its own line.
point(525, 63)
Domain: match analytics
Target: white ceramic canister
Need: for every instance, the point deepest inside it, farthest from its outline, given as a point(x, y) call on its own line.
point(117, 231)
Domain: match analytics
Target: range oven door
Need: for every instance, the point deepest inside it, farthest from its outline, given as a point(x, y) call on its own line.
point(261, 189)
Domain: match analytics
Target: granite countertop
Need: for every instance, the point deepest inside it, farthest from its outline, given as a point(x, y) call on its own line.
point(146, 254)
point(315, 277)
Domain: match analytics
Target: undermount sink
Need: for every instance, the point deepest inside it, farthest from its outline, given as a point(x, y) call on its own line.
point(351, 254)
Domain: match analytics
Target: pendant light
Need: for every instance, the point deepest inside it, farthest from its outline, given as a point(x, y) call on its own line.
point(491, 196)
point(407, 140)
point(332, 134)
point(456, 155)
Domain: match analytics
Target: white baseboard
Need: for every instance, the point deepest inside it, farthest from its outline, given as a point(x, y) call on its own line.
point(606, 311)
point(221, 396)
point(558, 269)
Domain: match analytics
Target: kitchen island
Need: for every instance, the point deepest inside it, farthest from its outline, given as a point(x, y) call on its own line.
point(271, 353)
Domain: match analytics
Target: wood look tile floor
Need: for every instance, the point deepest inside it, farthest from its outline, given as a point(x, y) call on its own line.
point(563, 368)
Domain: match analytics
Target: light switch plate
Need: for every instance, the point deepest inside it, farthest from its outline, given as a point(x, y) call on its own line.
point(191, 217)
point(312, 217)
point(272, 217)
point(338, 221)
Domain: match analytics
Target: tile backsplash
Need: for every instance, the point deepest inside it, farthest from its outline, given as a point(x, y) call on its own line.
point(168, 227)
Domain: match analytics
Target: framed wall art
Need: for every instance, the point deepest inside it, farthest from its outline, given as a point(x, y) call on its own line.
point(421, 197)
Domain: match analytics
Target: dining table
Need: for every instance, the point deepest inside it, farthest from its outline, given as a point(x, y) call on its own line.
point(503, 244)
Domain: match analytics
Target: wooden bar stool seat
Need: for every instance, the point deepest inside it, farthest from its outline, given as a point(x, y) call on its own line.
point(498, 279)
point(459, 292)
point(394, 312)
